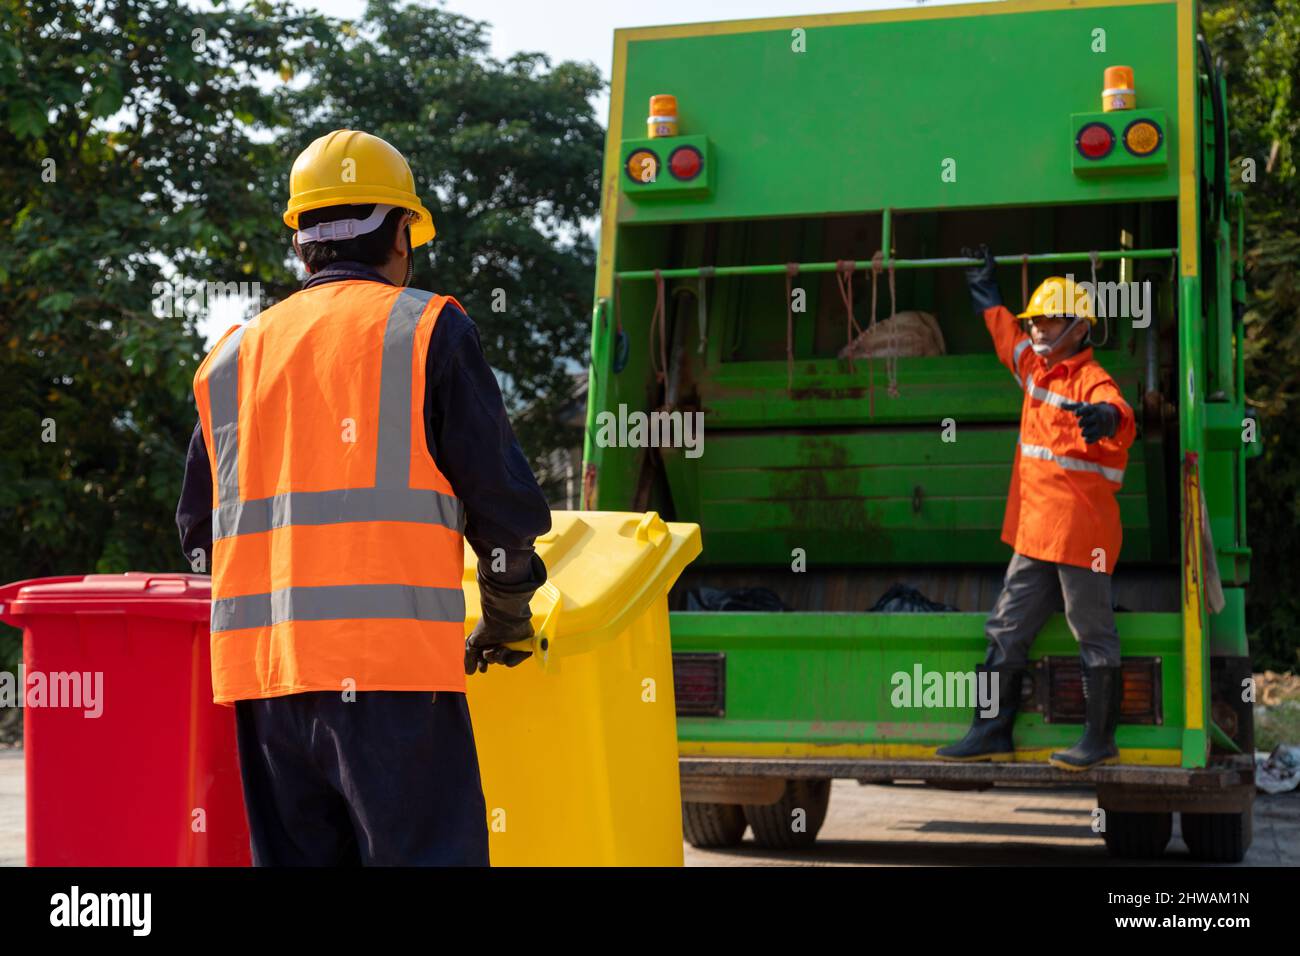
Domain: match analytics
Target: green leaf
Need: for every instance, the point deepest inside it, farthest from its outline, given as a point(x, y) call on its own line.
point(108, 99)
point(27, 118)
point(59, 302)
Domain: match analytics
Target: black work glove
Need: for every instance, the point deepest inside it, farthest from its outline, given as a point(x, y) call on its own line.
point(1096, 421)
point(506, 619)
point(980, 280)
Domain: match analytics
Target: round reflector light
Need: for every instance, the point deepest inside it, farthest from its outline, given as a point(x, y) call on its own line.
point(1095, 141)
point(643, 166)
point(685, 162)
point(1142, 137)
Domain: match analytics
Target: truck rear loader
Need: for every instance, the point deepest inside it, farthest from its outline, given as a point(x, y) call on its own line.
point(802, 180)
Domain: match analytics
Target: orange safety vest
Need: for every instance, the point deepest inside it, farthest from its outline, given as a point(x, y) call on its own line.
point(338, 546)
point(1061, 506)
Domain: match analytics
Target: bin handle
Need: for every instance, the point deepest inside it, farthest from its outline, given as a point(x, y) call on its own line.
point(651, 528)
point(545, 635)
point(543, 638)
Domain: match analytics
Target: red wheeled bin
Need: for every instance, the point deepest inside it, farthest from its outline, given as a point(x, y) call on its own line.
point(129, 762)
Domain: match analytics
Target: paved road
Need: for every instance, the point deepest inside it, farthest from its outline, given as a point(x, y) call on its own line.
point(914, 825)
point(13, 809)
point(903, 825)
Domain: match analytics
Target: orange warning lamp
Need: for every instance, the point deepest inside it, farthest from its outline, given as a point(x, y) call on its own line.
point(662, 120)
point(1118, 92)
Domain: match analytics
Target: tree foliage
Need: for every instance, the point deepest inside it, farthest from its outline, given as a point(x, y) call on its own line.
point(1259, 42)
point(143, 141)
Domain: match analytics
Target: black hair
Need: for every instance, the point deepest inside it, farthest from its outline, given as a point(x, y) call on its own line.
point(371, 248)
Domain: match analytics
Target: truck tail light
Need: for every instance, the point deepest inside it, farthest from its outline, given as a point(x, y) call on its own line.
point(1095, 141)
point(1061, 679)
point(685, 163)
point(699, 684)
point(1142, 137)
point(642, 166)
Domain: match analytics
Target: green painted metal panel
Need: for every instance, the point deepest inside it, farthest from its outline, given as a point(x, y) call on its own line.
point(827, 678)
point(967, 388)
point(865, 496)
point(868, 115)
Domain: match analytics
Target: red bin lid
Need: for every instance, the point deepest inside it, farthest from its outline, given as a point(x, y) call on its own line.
point(144, 593)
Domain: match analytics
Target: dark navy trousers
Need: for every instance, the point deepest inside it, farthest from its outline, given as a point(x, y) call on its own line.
point(388, 779)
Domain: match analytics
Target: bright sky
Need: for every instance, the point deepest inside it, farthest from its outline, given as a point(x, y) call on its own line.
point(584, 29)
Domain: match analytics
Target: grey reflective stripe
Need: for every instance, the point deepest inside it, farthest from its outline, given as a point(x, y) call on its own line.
point(1015, 359)
point(390, 499)
point(223, 404)
point(339, 603)
point(417, 505)
point(393, 457)
point(1072, 464)
point(1043, 395)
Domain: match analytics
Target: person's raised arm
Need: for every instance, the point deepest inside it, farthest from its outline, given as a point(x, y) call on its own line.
point(1009, 340)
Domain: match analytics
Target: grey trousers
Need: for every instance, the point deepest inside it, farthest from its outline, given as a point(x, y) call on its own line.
point(1031, 591)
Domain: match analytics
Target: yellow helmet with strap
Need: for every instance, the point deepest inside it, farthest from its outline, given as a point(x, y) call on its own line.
point(1059, 297)
point(348, 167)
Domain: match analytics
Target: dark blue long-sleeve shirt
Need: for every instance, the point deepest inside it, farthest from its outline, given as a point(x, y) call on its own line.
point(468, 435)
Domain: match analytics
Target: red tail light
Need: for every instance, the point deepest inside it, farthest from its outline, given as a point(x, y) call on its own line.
point(699, 684)
point(1095, 141)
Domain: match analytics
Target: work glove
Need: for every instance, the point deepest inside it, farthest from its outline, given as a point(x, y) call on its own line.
point(980, 280)
point(1096, 421)
point(506, 619)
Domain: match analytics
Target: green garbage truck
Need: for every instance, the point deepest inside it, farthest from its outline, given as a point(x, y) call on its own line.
point(784, 352)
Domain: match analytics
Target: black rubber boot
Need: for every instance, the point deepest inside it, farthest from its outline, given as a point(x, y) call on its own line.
point(1103, 688)
point(989, 738)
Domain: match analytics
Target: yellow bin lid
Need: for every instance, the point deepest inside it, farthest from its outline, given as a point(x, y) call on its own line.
point(604, 568)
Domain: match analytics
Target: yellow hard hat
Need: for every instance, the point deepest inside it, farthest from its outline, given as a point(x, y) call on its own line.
point(1061, 298)
point(348, 167)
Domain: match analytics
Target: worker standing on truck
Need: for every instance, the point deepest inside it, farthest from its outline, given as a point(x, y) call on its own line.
point(1062, 518)
point(350, 438)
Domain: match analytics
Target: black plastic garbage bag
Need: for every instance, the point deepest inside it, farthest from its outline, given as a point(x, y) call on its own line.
point(903, 599)
point(732, 599)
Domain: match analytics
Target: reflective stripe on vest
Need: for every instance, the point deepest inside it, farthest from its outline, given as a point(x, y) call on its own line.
point(1043, 395)
point(1015, 361)
point(342, 601)
point(1072, 464)
point(391, 498)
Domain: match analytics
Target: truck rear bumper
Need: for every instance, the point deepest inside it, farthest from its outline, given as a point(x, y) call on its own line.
point(1223, 786)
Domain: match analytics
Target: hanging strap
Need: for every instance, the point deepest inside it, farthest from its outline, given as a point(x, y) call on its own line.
point(844, 279)
point(791, 270)
point(1024, 282)
point(1094, 257)
point(657, 323)
point(701, 300)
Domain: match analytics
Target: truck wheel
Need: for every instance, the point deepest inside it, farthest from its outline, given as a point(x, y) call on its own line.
point(1217, 837)
point(1130, 835)
point(707, 825)
point(779, 826)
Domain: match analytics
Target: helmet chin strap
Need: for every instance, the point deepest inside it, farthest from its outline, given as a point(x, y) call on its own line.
point(1051, 349)
point(410, 259)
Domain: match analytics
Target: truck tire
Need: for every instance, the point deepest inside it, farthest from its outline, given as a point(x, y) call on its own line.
point(774, 824)
point(709, 825)
point(1130, 835)
point(1217, 837)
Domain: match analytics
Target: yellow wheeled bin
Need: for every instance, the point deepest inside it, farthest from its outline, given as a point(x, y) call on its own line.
point(577, 745)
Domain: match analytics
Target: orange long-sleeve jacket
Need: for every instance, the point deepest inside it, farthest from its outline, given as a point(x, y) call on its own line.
point(1061, 506)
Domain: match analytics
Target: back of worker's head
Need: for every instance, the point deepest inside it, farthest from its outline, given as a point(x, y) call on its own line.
point(373, 248)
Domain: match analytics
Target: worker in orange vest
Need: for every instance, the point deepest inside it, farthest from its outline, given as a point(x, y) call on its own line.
point(350, 438)
point(1062, 518)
